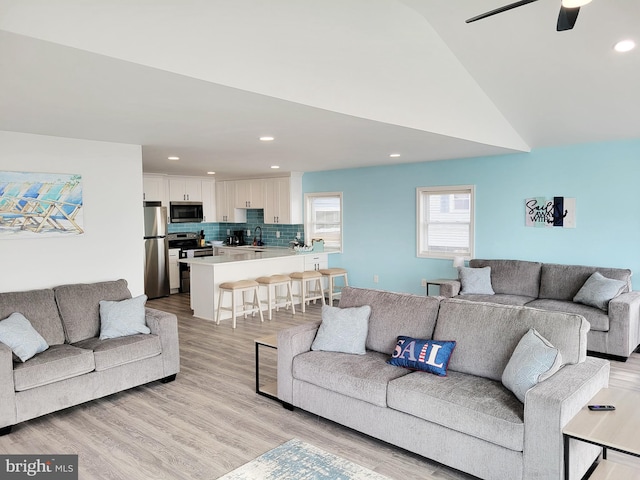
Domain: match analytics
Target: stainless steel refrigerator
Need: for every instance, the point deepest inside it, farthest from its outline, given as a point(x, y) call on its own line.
point(156, 267)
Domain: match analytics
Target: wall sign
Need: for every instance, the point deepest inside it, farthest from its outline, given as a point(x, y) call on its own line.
point(40, 204)
point(553, 212)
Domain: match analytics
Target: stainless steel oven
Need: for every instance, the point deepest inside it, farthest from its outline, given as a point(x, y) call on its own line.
point(188, 243)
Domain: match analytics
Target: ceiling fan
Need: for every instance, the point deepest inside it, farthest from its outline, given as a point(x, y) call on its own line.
point(566, 19)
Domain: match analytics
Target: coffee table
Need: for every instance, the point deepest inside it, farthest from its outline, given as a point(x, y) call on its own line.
point(269, 389)
point(614, 430)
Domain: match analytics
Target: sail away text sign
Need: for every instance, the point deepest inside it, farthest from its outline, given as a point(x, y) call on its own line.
point(550, 212)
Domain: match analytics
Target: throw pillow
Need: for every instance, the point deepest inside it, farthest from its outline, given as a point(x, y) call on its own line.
point(126, 317)
point(598, 290)
point(18, 334)
point(343, 330)
point(475, 281)
point(427, 355)
point(533, 361)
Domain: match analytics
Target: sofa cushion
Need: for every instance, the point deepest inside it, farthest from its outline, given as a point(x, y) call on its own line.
point(475, 281)
point(598, 291)
point(512, 277)
point(57, 363)
point(598, 320)
point(79, 306)
point(426, 355)
point(469, 404)
point(119, 351)
point(126, 317)
point(24, 341)
point(501, 298)
point(392, 315)
point(39, 306)
point(487, 334)
point(343, 330)
point(562, 282)
point(364, 377)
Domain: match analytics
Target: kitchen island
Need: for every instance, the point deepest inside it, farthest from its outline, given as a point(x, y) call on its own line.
point(207, 273)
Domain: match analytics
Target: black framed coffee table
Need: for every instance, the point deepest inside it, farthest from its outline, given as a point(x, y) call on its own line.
point(269, 389)
point(616, 430)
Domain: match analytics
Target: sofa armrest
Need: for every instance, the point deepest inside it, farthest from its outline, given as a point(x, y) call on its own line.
point(165, 325)
point(548, 408)
point(450, 288)
point(624, 324)
point(291, 342)
point(8, 414)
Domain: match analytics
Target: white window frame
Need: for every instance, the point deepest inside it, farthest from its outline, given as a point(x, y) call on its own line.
point(422, 224)
point(308, 227)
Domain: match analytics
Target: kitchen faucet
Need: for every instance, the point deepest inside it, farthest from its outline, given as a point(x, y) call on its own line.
point(259, 243)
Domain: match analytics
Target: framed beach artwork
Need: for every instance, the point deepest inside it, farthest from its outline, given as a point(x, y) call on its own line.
point(34, 205)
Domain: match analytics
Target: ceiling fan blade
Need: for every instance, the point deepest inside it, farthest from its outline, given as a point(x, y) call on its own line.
point(567, 18)
point(500, 10)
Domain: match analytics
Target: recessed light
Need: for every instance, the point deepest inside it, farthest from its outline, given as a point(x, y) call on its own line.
point(624, 46)
point(275, 166)
point(394, 155)
point(173, 158)
point(574, 3)
point(266, 139)
point(211, 173)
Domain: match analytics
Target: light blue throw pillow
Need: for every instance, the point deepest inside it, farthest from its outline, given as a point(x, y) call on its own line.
point(533, 361)
point(475, 281)
point(343, 330)
point(599, 290)
point(123, 318)
point(19, 335)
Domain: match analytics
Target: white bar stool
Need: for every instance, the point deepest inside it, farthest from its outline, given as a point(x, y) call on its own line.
point(331, 274)
point(241, 286)
point(314, 293)
point(273, 299)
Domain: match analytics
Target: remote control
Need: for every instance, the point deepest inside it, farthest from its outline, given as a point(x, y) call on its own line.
point(602, 408)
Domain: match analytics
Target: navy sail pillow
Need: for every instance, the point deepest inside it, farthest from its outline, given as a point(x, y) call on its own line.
point(427, 355)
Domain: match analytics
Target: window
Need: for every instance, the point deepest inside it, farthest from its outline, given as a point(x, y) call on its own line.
point(323, 218)
point(445, 221)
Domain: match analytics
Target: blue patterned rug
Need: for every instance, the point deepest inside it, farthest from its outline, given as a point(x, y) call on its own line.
point(296, 460)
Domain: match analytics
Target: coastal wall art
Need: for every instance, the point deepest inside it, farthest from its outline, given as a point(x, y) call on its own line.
point(550, 212)
point(40, 204)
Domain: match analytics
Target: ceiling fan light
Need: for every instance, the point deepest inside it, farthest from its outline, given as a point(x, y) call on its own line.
point(574, 3)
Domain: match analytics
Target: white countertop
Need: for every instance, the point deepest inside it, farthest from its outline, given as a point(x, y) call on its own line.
point(250, 255)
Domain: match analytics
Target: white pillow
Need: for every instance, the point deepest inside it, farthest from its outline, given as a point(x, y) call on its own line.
point(475, 281)
point(19, 335)
point(533, 361)
point(343, 330)
point(126, 317)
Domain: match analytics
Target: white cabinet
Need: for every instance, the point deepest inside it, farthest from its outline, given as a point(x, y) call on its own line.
point(184, 189)
point(208, 201)
point(153, 188)
point(225, 206)
point(230, 251)
point(283, 200)
point(249, 193)
point(174, 270)
point(316, 261)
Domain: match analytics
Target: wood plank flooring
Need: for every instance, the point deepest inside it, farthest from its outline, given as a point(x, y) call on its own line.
point(210, 420)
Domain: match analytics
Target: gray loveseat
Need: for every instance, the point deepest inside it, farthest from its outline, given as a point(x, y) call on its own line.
point(552, 287)
point(78, 366)
point(467, 420)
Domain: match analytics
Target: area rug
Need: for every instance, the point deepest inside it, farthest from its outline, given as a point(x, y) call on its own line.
point(297, 460)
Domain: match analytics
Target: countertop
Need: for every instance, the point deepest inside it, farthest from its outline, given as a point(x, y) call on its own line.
point(269, 252)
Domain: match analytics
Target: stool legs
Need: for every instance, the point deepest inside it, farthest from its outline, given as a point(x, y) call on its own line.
point(254, 304)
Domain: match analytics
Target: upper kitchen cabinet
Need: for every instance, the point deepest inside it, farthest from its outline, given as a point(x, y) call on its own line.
point(225, 204)
point(249, 193)
point(183, 189)
point(283, 200)
point(208, 201)
point(153, 188)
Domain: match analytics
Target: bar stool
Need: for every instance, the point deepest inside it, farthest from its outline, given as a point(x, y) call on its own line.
point(314, 293)
point(241, 286)
point(331, 274)
point(273, 299)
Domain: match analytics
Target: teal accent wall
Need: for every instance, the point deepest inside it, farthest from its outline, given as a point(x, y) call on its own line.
point(379, 217)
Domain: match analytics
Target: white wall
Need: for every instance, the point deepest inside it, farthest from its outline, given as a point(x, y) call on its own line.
point(111, 246)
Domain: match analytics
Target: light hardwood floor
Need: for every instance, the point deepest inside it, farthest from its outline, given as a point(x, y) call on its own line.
point(210, 420)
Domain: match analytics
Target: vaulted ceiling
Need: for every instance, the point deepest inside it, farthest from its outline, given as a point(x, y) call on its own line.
point(337, 83)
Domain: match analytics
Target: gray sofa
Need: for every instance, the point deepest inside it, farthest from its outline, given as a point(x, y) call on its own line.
point(467, 420)
point(78, 366)
point(552, 287)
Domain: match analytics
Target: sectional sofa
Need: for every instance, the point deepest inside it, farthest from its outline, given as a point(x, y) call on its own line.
point(78, 366)
point(467, 419)
point(615, 331)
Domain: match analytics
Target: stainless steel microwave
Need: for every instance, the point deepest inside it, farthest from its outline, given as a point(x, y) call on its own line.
point(185, 212)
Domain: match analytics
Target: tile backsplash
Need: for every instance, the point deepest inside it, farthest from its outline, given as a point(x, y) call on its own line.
point(255, 218)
